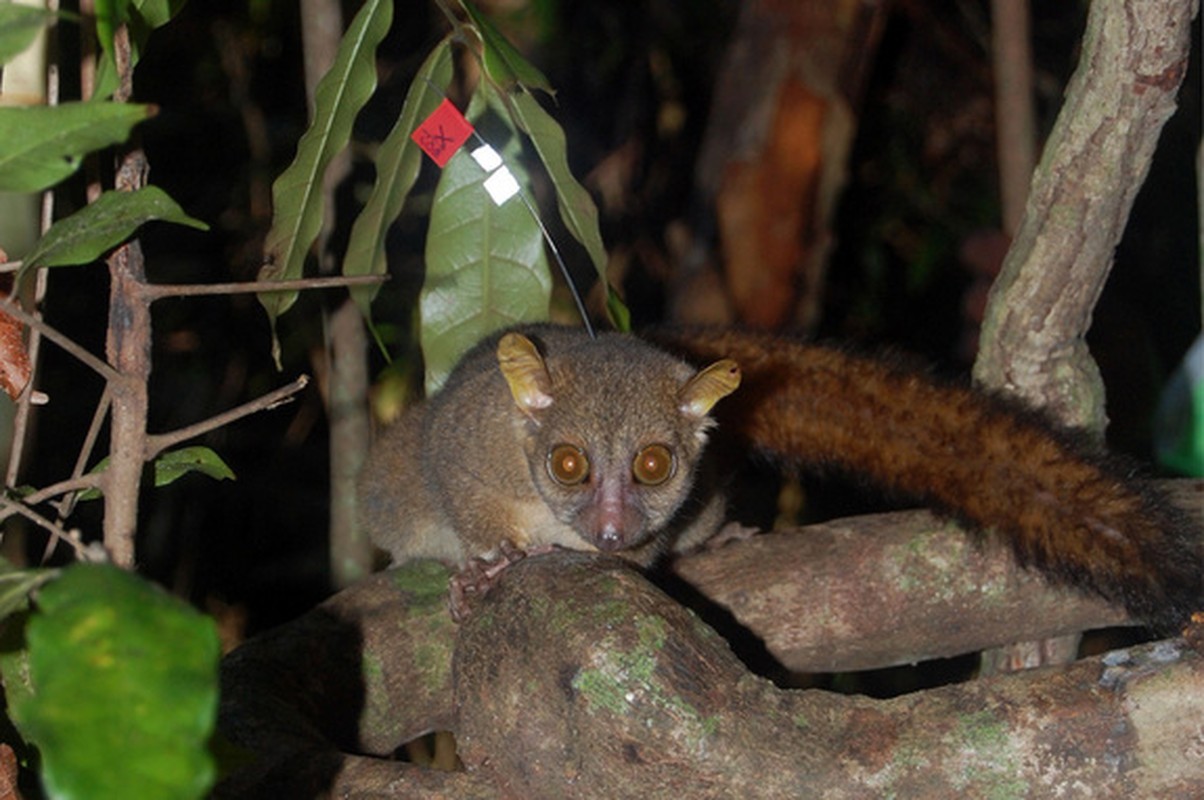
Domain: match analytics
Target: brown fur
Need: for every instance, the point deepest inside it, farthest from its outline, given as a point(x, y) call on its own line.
point(1067, 508)
point(465, 473)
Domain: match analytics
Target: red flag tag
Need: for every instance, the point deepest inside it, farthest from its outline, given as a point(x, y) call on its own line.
point(441, 134)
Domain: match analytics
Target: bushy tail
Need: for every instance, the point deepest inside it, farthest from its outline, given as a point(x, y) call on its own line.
point(1067, 508)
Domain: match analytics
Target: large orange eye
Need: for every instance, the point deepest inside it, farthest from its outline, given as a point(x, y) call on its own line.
point(568, 465)
point(653, 465)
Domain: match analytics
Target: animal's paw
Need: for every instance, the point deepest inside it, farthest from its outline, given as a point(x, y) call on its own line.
point(480, 574)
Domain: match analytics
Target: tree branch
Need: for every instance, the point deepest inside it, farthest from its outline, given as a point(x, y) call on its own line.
point(157, 291)
point(1015, 127)
point(641, 700)
point(1098, 154)
point(36, 323)
point(9, 508)
point(157, 443)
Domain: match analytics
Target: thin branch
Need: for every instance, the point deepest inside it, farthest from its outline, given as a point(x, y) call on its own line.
point(85, 451)
point(30, 396)
point(98, 365)
point(1015, 138)
point(157, 443)
point(154, 445)
point(159, 291)
point(10, 507)
point(76, 484)
point(156, 291)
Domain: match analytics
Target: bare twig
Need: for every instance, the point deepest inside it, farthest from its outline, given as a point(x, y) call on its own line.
point(75, 484)
point(85, 450)
point(157, 443)
point(36, 323)
point(71, 538)
point(67, 504)
point(156, 291)
point(127, 368)
point(1015, 129)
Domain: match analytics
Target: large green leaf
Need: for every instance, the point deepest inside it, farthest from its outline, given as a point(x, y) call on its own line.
point(16, 585)
point(19, 26)
point(397, 164)
point(297, 193)
point(504, 65)
point(125, 689)
point(577, 208)
point(515, 78)
point(85, 235)
point(486, 267)
point(40, 146)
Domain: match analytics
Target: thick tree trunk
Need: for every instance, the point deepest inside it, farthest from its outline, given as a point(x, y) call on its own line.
point(1124, 89)
point(575, 677)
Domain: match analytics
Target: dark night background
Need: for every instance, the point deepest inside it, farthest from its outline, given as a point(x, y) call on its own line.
point(227, 79)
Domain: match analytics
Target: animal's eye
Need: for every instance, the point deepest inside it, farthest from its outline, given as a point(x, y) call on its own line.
point(653, 465)
point(568, 465)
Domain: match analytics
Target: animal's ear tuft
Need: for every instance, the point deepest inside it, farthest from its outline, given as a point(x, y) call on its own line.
point(525, 372)
point(708, 386)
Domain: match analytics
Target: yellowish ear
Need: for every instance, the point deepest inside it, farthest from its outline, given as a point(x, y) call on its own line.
point(525, 372)
point(700, 394)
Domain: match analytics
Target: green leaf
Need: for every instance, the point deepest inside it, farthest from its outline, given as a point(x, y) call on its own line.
point(577, 208)
point(19, 26)
point(619, 314)
point(16, 585)
point(40, 146)
point(141, 16)
point(157, 13)
point(397, 164)
point(110, 15)
point(504, 65)
point(125, 689)
point(173, 465)
point(297, 193)
point(14, 660)
point(85, 235)
point(486, 267)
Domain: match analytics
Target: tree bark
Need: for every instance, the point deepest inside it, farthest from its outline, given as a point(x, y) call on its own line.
point(576, 677)
point(775, 151)
point(1135, 54)
point(1033, 342)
